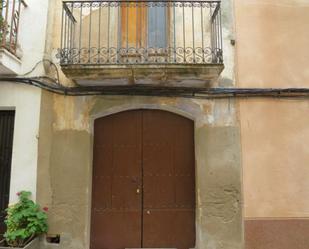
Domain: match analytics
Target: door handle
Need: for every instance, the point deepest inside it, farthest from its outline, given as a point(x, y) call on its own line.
point(138, 191)
point(148, 212)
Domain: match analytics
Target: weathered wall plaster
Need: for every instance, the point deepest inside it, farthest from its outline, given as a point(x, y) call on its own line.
point(67, 164)
point(65, 152)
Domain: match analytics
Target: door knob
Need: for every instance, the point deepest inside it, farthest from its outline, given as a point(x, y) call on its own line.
point(148, 212)
point(138, 191)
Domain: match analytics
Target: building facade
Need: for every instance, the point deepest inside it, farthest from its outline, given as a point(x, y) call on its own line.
point(119, 136)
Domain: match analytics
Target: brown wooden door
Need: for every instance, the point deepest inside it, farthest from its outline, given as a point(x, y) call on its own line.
point(6, 146)
point(169, 181)
point(143, 181)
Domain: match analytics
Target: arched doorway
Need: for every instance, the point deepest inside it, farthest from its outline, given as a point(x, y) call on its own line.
point(143, 191)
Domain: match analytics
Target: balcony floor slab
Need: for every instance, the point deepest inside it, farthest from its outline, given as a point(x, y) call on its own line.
point(191, 75)
point(9, 63)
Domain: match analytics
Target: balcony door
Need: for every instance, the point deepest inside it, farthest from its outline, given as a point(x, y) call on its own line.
point(143, 25)
point(143, 192)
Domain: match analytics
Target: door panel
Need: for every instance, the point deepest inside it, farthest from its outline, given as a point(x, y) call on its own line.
point(143, 181)
point(116, 205)
point(6, 144)
point(169, 228)
point(169, 181)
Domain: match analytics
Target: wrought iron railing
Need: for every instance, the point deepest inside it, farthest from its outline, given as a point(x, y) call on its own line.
point(9, 23)
point(141, 32)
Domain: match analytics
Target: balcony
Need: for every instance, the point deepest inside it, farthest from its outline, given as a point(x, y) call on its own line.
point(173, 43)
point(9, 27)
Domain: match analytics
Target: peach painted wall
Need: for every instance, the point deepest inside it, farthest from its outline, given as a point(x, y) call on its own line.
point(272, 38)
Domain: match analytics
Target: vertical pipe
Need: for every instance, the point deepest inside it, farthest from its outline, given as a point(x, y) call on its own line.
point(17, 25)
point(156, 27)
point(73, 38)
point(71, 33)
point(90, 27)
point(127, 31)
point(12, 24)
point(99, 33)
point(217, 33)
point(147, 8)
point(174, 26)
point(119, 35)
point(221, 46)
point(136, 26)
point(68, 30)
point(202, 28)
point(4, 33)
point(72, 29)
point(141, 25)
point(193, 38)
point(80, 31)
point(211, 32)
point(184, 32)
point(61, 38)
point(108, 28)
point(65, 30)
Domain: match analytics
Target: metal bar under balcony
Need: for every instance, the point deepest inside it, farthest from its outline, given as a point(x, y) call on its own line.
point(141, 41)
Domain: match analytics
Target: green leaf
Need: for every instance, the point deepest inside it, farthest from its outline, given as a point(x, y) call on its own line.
point(24, 219)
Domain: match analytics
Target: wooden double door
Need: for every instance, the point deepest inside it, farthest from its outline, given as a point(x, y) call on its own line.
point(143, 193)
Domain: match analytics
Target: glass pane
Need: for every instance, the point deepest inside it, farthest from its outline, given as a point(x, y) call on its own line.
point(157, 27)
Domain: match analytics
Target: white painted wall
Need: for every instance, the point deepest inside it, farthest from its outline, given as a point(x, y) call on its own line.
point(26, 100)
point(32, 35)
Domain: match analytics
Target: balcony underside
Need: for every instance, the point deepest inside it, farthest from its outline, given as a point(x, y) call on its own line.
point(191, 75)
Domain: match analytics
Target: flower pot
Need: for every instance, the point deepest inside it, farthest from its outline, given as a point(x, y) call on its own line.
point(34, 244)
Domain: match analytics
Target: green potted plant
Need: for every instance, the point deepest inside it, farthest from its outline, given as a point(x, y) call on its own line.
point(25, 221)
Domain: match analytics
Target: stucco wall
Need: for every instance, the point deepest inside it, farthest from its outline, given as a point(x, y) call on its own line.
point(272, 43)
point(32, 36)
point(65, 164)
point(272, 51)
point(25, 101)
point(65, 152)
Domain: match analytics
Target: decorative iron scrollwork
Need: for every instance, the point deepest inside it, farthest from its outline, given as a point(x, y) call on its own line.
point(94, 32)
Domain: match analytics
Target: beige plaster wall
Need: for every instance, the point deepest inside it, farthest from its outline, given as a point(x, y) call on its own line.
point(272, 51)
point(275, 149)
point(65, 153)
point(272, 43)
point(65, 164)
